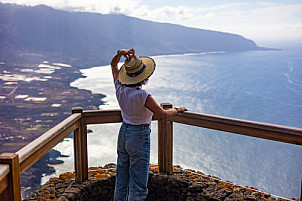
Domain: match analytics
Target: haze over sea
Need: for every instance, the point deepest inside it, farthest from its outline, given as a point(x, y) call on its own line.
point(263, 86)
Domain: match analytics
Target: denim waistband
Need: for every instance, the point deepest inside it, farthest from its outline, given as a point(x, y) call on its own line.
point(142, 126)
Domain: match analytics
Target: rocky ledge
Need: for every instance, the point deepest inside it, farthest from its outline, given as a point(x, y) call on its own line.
point(181, 185)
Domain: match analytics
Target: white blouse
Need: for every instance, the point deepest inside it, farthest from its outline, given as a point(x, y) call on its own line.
point(132, 103)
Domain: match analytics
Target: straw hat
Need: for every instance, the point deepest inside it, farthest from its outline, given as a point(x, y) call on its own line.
point(136, 70)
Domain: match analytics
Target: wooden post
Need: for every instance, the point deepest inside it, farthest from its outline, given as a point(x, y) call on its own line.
point(165, 143)
point(80, 149)
point(13, 190)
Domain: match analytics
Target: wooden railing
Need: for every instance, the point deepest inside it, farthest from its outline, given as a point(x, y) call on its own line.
point(13, 164)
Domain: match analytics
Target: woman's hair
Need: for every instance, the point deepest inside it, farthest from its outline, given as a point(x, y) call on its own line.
point(138, 84)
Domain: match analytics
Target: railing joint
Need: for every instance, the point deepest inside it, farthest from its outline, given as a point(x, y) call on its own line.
point(76, 110)
point(13, 191)
point(165, 143)
point(80, 148)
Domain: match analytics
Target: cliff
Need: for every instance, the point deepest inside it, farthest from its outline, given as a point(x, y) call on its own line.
point(181, 185)
point(77, 36)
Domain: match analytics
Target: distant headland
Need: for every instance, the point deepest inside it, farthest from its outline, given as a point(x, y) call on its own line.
point(90, 39)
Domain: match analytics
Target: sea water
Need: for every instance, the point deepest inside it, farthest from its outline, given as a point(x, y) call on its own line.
point(264, 86)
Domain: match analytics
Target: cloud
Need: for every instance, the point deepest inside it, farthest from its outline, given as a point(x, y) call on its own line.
point(294, 26)
point(134, 8)
point(100, 6)
point(180, 12)
point(277, 11)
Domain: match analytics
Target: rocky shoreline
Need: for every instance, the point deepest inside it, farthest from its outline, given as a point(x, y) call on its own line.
point(35, 96)
point(181, 185)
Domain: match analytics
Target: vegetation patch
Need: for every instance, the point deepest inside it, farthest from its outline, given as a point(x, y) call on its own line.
point(52, 114)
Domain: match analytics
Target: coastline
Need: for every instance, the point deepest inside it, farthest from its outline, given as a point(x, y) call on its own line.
point(35, 97)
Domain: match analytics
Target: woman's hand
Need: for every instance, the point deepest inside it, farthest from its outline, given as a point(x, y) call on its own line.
point(181, 109)
point(127, 53)
point(159, 111)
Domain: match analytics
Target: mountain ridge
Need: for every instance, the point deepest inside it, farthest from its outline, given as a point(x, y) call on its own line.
point(58, 34)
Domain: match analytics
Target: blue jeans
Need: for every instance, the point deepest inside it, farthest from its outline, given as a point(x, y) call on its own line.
point(133, 149)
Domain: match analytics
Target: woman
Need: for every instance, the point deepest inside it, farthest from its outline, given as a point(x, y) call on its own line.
point(137, 109)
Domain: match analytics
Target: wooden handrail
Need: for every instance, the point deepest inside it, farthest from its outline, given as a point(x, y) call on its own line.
point(12, 191)
point(28, 155)
point(35, 150)
point(165, 143)
point(79, 120)
point(104, 116)
point(80, 148)
point(274, 132)
point(4, 171)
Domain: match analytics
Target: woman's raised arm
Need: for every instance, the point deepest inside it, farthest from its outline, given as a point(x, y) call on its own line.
point(116, 59)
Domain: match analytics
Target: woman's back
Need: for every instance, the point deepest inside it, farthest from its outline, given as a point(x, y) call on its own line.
point(132, 103)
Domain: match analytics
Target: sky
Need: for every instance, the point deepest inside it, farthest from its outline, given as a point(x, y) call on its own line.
point(266, 20)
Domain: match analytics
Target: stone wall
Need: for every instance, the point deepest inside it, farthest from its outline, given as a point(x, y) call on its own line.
point(181, 185)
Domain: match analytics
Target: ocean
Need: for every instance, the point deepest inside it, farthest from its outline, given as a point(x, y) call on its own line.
point(264, 86)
